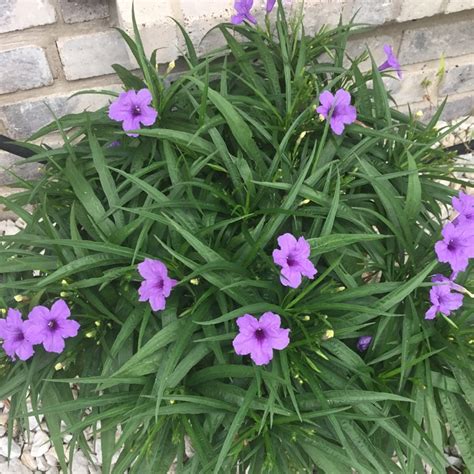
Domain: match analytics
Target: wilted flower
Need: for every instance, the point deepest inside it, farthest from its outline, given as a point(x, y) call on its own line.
point(259, 337)
point(456, 247)
point(337, 109)
point(443, 300)
point(243, 8)
point(15, 341)
point(391, 62)
point(133, 108)
point(464, 204)
point(293, 258)
point(51, 326)
point(157, 285)
point(270, 5)
point(363, 343)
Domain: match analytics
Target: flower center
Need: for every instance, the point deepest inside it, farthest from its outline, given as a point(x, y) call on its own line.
point(19, 336)
point(53, 325)
point(291, 260)
point(452, 245)
point(136, 111)
point(260, 335)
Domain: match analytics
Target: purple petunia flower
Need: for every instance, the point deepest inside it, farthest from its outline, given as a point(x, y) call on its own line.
point(464, 204)
point(456, 247)
point(15, 341)
point(157, 285)
point(293, 258)
point(363, 343)
point(243, 8)
point(337, 109)
point(443, 300)
point(51, 326)
point(270, 5)
point(391, 62)
point(259, 337)
point(133, 108)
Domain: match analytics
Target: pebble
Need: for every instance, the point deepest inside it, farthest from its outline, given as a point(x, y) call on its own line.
point(41, 444)
point(43, 466)
point(79, 463)
point(28, 460)
point(15, 450)
point(14, 467)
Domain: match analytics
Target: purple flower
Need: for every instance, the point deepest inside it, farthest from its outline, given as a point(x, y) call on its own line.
point(391, 62)
point(464, 204)
point(363, 343)
point(113, 144)
point(442, 280)
point(270, 5)
point(132, 108)
point(456, 247)
point(157, 285)
point(51, 326)
point(337, 109)
point(293, 258)
point(443, 301)
point(259, 337)
point(243, 8)
point(13, 333)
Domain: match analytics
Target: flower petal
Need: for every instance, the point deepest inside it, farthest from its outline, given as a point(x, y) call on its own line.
point(60, 310)
point(68, 327)
point(290, 277)
point(53, 342)
point(247, 324)
point(25, 350)
point(36, 330)
point(280, 339)
point(157, 302)
point(287, 242)
point(262, 353)
point(244, 344)
point(342, 97)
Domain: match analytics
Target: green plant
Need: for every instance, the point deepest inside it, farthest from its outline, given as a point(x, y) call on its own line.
point(238, 157)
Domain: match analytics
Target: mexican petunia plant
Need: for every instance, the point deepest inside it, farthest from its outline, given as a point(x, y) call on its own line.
point(246, 267)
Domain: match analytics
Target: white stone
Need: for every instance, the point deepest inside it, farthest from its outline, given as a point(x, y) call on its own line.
point(98, 450)
point(14, 467)
point(28, 460)
point(15, 451)
point(79, 463)
point(43, 465)
point(41, 444)
point(93, 54)
point(24, 14)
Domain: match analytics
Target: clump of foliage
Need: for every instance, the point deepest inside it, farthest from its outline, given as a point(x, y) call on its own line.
point(236, 158)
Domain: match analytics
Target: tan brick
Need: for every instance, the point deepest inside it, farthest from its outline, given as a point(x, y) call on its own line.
point(24, 68)
point(450, 39)
point(411, 10)
point(93, 54)
point(157, 30)
point(459, 5)
point(19, 15)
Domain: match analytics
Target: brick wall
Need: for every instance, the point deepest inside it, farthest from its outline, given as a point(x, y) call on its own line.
point(50, 49)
